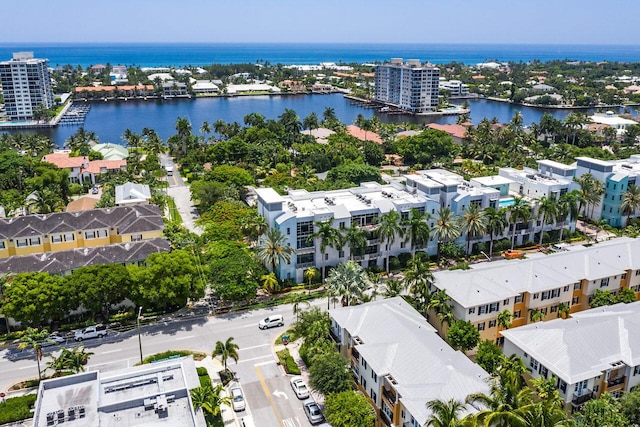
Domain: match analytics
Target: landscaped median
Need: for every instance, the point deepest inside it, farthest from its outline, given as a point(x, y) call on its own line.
point(17, 408)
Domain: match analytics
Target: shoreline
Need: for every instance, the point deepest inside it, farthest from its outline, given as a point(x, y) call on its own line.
point(558, 107)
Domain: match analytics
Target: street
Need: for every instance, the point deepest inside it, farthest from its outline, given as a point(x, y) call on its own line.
point(181, 194)
point(269, 397)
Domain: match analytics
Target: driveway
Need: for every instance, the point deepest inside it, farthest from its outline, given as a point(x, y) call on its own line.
point(181, 194)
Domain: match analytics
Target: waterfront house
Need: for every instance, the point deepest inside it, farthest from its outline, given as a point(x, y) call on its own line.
point(81, 169)
point(363, 135)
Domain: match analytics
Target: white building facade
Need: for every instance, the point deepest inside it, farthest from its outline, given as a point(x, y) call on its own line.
point(26, 84)
point(410, 85)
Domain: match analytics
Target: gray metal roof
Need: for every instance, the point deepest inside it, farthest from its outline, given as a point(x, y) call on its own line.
point(398, 341)
point(585, 345)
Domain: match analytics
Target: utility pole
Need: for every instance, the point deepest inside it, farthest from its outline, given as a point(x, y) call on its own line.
point(139, 337)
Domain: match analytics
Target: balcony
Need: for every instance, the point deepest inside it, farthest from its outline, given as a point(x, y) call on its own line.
point(615, 381)
point(389, 395)
point(334, 336)
point(583, 397)
point(355, 353)
point(388, 421)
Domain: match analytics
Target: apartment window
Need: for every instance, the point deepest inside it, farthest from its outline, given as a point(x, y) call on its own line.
point(517, 314)
point(604, 282)
point(364, 364)
point(402, 245)
point(374, 376)
point(518, 299)
point(562, 386)
point(95, 234)
point(340, 254)
point(481, 326)
point(637, 272)
point(363, 382)
point(505, 302)
point(342, 225)
point(387, 411)
point(554, 308)
point(636, 370)
point(288, 231)
point(536, 296)
point(494, 307)
point(482, 309)
point(544, 371)
point(136, 237)
point(565, 289)
point(373, 395)
point(534, 364)
point(492, 323)
point(575, 300)
point(544, 310)
point(2, 245)
point(578, 285)
point(29, 241)
point(624, 276)
point(472, 310)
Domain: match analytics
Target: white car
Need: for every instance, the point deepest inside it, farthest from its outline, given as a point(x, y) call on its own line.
point(237, 399)
point(299, 387)
point(53, 339)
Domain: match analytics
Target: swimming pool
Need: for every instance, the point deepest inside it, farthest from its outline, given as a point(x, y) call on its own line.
point(505, 203)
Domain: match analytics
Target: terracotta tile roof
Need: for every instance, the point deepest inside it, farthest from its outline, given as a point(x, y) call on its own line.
point(95, 166)
point(62, 160)
point(95, 88)
point(362, 135)
point(457, 131)
point(82, 204)
point(138, 87)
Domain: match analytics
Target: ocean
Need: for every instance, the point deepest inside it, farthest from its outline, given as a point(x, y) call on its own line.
point(176, 54)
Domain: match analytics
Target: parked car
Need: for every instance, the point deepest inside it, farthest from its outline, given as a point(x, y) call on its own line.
point(53, 339)
point(312, 411)
point(271, 321)
point(95, 190)
point(97, 331)
point(299, 387)
point(237, 399)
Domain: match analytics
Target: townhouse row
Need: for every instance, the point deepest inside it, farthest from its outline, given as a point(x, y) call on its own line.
point(542, 283)
point(426, 191)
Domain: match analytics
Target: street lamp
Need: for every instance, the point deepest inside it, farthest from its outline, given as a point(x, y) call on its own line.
point(139, 337)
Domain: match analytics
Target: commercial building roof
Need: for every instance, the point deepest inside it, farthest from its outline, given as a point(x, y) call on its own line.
point(490, 282)
point(585, 345)
point(150, 395)
point(62, 261)
point(397, 342)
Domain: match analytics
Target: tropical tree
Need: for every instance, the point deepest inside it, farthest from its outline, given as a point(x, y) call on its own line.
point(327, 237)
point(447, 227)
point(70, 360)
point(270, 282)
point(445, 414)
point(504, 319)
point(226, 350)
point(298, 301)
point(563, 310)
point(630, 201)
point(209, 398)
point(417, 229)
point(519, 211)
point(463, 335)
point(567, 209)
point(547, 212)
point(273, 250)
point(311, 121)
point(349, 409)
point(388, 229)
point(536, 315)
point(417, 279)
point(356, 238)
point(473, 224)
point(309, 275)
point(33, 338)
point(496, 220)
point(506, 405)
point(349, 281)
point(183, 127)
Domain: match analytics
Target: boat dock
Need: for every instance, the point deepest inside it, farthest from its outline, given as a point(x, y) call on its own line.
point(75, 114)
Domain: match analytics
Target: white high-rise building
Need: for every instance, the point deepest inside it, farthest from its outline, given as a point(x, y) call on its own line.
point(410, 85)
point(26, 83)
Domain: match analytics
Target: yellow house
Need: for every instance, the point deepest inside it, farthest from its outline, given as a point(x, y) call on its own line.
point(400, 363)
point(544, 287)
point(64, 231)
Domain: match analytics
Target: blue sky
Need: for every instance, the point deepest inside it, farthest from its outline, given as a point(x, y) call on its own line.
point(349, 21)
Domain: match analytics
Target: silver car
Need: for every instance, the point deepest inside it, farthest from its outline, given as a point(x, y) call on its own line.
point(237, 399)
point(312, 411)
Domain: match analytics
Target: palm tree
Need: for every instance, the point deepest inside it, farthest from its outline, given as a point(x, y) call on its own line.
point(270, 282)
point(393, 288)
point(536, 315)
point(504, 319)
point(474, 224)
point(309, 275)
point(496, 223)
point(226, 350)
point(183, 127)
point(417, 229)
point(631, 201)
point(209, 398)
point(298, 301)
point(311, 121)
point(33, 338)
point(356, 238)
point(547, 212)
point(445, 414)
point(447, 227)
point(45, 201)
point(329, 115)
point(328, 237)
point(417, 279)
point(205, 129)
point(567, 208)
point(388, 228)
point(439, 303)
point(520, 210)
point(272, 250)
point(349, 281)
point(253, 226)
point(563, 310)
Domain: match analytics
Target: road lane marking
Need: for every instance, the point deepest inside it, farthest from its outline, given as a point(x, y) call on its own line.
point(281, 394)
point(292, 422)
point(269, 397)
point(184, 338)
point(256, 346)
point(26, 367)
point(268, 362)
point(111, 351)
point(256, 358)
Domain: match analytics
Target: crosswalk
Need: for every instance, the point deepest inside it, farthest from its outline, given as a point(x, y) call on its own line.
point(292, 422)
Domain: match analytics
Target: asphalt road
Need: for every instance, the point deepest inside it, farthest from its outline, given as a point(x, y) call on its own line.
point(270, 400)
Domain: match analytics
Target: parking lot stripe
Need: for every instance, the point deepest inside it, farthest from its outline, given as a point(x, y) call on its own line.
point(269, 396)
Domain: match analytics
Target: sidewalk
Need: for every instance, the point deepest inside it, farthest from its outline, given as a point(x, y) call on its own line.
point(294, 350)
point(214, 366)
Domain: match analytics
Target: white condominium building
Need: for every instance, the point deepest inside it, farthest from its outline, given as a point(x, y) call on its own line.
point(295, 214)
point(410, 85)
point(26, 84)
point(594, 352)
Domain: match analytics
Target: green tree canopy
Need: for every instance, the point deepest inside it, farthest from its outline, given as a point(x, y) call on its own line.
point(329, 374)
point(349, 409)
point(463, 335)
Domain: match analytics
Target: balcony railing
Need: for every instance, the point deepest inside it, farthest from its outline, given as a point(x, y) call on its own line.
point(385, 418)
point(585, 396)
point(334, 336)
point(355, 353)
point(389, 395)
point(616, 381)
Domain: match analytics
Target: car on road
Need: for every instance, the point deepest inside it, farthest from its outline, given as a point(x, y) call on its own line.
point(97, 331)
point(312, 411)
point(53, 339)
point(299, 387)
point(237, 399)
point(271, 321)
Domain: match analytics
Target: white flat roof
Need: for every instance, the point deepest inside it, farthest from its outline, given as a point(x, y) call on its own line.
point(491, 180)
